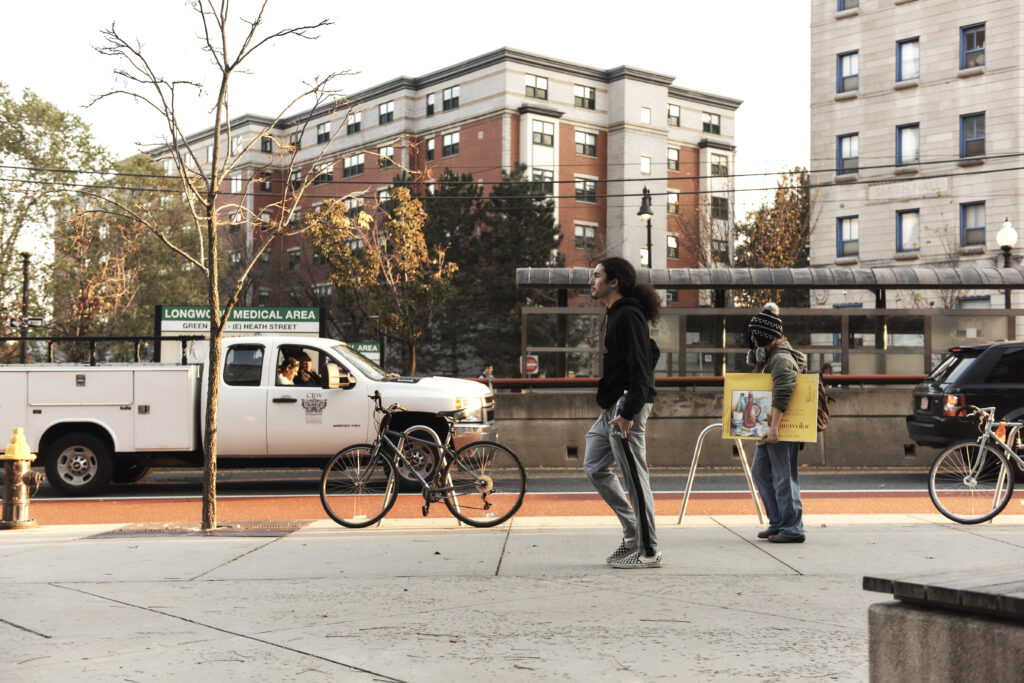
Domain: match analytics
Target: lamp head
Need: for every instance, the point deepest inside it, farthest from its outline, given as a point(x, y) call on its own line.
point(645, 211)
point(1006, 238)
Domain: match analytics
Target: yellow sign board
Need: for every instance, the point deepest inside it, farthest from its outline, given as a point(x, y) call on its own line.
point(747, 408)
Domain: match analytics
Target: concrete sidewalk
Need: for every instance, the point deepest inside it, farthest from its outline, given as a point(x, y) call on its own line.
point(427, 601)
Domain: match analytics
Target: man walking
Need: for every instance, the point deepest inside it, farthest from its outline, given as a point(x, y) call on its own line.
point(774, 468)
point(619, 435)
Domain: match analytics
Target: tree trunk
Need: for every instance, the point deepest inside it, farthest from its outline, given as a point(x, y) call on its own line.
point(210, 435)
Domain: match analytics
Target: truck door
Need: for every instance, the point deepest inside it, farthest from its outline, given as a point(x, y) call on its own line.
point(306, 420)
point(242, 413)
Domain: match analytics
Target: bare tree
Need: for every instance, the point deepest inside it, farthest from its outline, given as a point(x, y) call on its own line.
point(230, 44)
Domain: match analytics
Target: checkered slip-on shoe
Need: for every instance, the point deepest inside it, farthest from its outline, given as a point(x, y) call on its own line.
point(638, 561)
point(620, 552)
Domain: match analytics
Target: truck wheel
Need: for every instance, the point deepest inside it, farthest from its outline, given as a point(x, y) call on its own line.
point(131, 471)
point(79, 465)
point(423, 458)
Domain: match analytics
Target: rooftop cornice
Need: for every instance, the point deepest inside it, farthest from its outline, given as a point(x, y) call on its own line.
point(704, 98)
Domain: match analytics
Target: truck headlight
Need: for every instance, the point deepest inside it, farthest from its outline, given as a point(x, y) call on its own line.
point(474, 408)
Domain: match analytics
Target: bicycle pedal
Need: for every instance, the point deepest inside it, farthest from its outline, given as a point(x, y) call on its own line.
point(425, 509)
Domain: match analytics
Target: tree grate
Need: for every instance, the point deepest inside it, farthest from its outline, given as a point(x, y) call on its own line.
point(228, 529)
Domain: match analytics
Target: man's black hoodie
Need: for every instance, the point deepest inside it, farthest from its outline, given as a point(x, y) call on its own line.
point(627, 358)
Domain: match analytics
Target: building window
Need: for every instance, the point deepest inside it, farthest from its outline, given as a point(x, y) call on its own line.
point(672, 246)
point(586, 236)
point(546, 178)
point(847, 236)
point(848, 4)
point(354, 123)
point(234, 256)
point(294, 258)
point(267, 144)
point(322, 294)
point(908, 59)
point(847, 153)
point(236, 184)
point(266, 177)
point(450, 144)
point(719, 165)
point(544, 133)
point(671, 296)
point(383, 196)
point(673, 159)
point(584, 96)
point(972, 46)
point(430, 149)
point(430, 104)
point(353, 205)
point(673, 114)
point(980, 302)
point(450, 98)
point(385, 112)
point(296, 217)
point(586, 144)
point(672, 203)
point(536, 86)
point(265, 220)
point(645, 115)
point(319, 260)
point(323, 133)
point(237, 143)
point(264, 299)
point(355, 246)
point(972, 224)
point(645, 165)
point(712, 123)
point(323, 173)
point(908, 144)
point(586, 190)
point(209, 154)
point(353, 165)
point(847, 71)
point(295, 140)
point(972, 135)
point(295, 179)
point(720, 208)
point(386, 157)
point(908, 230)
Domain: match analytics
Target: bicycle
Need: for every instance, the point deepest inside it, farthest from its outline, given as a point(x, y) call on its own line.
point(482, 484)
point(972, 481)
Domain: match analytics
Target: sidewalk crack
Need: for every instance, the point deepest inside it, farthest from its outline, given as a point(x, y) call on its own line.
point(757, 546)
point(262, 641)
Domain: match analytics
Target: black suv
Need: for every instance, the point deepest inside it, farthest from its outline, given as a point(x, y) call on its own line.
point(984, 375)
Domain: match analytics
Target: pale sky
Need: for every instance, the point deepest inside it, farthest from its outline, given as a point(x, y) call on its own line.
point(751, 50)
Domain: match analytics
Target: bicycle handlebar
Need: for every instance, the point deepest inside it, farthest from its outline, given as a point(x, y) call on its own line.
point(378, 404)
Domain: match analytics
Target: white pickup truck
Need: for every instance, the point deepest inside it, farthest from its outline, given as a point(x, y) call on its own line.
point(91, 425)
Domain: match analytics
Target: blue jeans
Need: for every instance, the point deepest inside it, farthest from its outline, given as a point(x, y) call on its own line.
point(775, 474)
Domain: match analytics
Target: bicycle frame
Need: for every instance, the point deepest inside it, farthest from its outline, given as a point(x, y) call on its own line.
point(988, 436)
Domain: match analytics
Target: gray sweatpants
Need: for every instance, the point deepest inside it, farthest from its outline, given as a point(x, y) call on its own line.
point(605, 449)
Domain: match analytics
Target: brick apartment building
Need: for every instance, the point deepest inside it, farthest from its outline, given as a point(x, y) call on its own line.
point(597, 136)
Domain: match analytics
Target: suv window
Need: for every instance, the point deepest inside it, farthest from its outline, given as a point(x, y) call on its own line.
point(243, 366)
point(1009, 369)
point(952, 368)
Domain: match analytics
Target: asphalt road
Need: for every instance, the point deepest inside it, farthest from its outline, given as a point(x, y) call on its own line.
point(297, 482)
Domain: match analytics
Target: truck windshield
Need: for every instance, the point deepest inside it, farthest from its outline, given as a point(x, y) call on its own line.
point(354, 358)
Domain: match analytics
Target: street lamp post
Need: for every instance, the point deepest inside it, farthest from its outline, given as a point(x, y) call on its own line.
point(25, 256)
point(1006, 238)
point(645, 214)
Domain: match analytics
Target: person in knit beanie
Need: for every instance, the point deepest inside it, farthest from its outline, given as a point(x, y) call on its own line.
point(774, 468)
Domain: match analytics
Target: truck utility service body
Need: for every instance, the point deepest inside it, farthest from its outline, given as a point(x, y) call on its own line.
point(93, 424)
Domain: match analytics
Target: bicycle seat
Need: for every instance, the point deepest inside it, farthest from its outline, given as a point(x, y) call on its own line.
point(455, 415)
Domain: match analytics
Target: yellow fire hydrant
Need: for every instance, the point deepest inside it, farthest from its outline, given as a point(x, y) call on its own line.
point(18, 477)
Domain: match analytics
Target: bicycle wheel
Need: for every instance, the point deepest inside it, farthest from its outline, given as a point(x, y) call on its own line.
point(970, 483)
point(357, 487)
point(488, 484)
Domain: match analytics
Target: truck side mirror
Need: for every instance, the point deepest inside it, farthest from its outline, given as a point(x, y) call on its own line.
point(334, 378)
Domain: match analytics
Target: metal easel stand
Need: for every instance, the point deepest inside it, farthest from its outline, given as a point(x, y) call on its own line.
point(693, 472)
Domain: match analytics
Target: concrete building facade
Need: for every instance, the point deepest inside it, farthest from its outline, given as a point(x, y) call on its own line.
point(598, 137)
point(917, 109)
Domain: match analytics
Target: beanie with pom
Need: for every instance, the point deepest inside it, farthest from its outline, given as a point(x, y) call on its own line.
point(766, 326)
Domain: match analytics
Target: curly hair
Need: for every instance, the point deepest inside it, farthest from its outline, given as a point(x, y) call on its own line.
point(620, 269)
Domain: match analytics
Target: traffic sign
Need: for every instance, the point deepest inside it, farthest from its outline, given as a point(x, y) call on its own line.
point(532, 364)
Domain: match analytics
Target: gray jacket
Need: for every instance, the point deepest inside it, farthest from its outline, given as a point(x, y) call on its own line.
point(784, 364)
